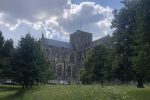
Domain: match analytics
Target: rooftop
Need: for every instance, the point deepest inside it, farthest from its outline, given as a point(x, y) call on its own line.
point(57, 43)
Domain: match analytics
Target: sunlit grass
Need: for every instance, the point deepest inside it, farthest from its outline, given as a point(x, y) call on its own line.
point(74, 92)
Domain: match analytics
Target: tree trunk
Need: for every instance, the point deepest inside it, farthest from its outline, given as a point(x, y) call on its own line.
point(140, 83)
point(102, 83)
point(23, 86)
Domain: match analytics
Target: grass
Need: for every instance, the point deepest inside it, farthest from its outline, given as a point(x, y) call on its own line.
point(74, 92)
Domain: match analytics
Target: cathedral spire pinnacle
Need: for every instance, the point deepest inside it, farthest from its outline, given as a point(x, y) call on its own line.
point(80, 26)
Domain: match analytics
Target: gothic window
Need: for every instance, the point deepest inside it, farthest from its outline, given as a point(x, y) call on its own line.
point(80, 55)
point(59, 70)
point(47, 53)
point(74, 70)
point(69, 71)
point(72, 58)
point(85, 54)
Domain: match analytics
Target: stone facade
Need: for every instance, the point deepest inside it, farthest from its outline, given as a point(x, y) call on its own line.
point(67, 58)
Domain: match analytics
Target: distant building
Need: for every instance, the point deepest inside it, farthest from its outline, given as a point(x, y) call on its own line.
point(67, 57)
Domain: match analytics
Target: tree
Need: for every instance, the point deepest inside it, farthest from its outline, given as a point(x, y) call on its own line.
point(28, 63)
point(1, 40)
point(95, 66)
point(132, 40)
point(1, 56)
point(6, 49)
point(44, 67)
point(7, 52)
point(123, 40)
point(109, 75)
point(141, 58)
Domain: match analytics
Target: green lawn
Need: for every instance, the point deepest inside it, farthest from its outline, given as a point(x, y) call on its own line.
point(74, 92)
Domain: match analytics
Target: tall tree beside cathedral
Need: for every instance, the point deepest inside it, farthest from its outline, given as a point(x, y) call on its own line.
point(44, 67)
point(132, 40)
point(1, 40)
point(141, 59)
point(6, 49)
point(28, 63)
point(1, 57)
point(123, 41)
point(95, 65)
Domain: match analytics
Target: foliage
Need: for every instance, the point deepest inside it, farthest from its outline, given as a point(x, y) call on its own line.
point(28, 63)
point(1, 40)
point(131, 41)
point(141, 58)
point(123, 41)
point(95, 65)
point(6, 49)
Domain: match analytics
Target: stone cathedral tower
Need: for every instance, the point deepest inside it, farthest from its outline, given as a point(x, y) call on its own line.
point(80, 40)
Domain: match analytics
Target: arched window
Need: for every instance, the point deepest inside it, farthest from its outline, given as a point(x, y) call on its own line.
point(59, 70)
point(72, 58)
point(69, 71)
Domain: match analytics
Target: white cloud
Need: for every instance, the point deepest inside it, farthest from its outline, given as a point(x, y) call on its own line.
point(90, 16)
point(56, 18)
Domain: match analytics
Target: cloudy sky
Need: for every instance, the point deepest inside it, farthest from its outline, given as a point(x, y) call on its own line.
point(56, 18)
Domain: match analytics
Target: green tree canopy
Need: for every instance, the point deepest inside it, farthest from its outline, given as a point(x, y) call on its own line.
point(95, 65)
point(28, 63)
point(132, 41)
point(141, 58)
point(6, 49)
point(123, 40)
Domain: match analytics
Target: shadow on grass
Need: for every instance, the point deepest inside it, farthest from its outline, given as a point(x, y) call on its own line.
point(6, 88)
point(17, 95)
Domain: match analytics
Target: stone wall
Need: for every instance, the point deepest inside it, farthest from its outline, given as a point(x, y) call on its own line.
point(63, 61)
point(103, 41)
point(80, 40)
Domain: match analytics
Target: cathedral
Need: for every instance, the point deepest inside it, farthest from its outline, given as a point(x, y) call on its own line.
point(67, 58)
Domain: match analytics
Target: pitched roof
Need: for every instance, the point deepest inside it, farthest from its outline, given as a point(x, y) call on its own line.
point(57, 43)
point(106, 40)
